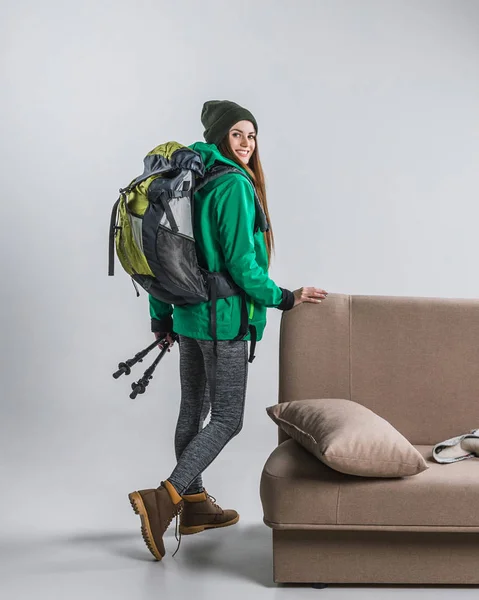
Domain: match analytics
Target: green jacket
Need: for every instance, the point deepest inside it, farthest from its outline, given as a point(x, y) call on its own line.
point(224, 216)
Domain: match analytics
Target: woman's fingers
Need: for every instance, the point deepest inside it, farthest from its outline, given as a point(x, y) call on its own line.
point(168, 338)
point(309, 294)
point(312, 294)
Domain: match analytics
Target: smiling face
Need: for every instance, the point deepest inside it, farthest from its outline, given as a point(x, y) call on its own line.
point(242, 140)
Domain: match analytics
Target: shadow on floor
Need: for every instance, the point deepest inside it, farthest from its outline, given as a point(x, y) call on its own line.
point(243, 551)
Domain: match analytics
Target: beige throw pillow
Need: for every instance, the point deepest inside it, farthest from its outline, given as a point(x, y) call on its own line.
point(348, 437)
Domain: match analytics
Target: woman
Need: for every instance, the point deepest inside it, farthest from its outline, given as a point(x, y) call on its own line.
point(227, 241)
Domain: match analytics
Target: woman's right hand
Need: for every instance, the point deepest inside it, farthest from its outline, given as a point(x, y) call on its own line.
point(169, 339)
point(308, 294)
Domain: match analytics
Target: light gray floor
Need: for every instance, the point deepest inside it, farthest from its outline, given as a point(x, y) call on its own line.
point(227, 564)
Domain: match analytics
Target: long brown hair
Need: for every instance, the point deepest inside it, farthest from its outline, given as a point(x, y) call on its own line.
point(255, 171)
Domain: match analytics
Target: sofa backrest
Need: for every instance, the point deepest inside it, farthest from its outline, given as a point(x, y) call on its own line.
point(412, 360)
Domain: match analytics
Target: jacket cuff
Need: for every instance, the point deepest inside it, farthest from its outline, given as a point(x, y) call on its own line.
point(164, 325)
point(287, 301)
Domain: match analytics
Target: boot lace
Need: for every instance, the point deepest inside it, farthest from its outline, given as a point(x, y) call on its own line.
point(213, 501)
point(178, 513)
point(177, 530)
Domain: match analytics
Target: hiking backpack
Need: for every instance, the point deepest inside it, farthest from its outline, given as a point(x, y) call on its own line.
point(151, 228)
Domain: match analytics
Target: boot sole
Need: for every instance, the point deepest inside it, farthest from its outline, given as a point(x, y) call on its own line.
point(199, 528)
point(139, 507)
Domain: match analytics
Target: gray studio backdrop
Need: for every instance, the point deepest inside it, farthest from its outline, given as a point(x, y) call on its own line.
point(368, 118)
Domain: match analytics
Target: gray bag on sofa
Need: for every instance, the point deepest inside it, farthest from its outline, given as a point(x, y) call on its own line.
point(457, 448)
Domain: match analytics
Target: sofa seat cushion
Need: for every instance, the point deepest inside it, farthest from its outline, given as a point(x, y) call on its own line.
point(300, 491)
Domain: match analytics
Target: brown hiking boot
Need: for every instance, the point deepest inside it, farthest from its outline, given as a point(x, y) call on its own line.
point(201, 512)
point(156, 508)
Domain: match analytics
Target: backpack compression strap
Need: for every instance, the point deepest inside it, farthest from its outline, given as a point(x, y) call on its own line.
point(111, 241)
point(163, 168)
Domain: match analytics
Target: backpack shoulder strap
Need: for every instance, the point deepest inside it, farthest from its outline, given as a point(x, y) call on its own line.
point(219, 169)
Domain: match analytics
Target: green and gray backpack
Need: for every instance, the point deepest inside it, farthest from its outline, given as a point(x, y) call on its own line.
point(152, 230)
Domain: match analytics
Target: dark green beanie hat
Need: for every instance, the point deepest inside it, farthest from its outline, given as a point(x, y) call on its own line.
point(218, 116)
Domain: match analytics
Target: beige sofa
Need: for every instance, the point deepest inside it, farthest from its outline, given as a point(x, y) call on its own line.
point(414, 362)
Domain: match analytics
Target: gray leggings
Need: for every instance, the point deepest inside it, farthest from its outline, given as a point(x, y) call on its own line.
point(197, 446)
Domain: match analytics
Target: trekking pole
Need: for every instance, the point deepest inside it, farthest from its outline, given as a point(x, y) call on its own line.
point(125, 367)
point(140, 386)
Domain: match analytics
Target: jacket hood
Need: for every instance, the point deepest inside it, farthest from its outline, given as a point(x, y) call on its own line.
point(210, 154)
